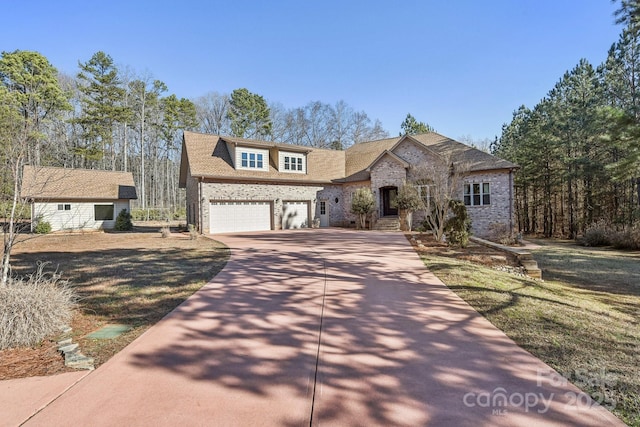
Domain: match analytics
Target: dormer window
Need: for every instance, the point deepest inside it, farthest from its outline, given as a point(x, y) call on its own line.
point(292, 162)
point(253, 159)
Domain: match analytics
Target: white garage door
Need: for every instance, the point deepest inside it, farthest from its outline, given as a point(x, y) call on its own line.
point(230, 217)
point(295, 215)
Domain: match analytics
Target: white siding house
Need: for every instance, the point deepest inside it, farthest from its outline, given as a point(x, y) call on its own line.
point(77, 199)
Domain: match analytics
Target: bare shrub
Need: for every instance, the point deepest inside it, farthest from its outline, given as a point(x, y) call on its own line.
point(34, 307)
point(628, 238)
point(501, 233)
point(165, 231)
point(599, 233)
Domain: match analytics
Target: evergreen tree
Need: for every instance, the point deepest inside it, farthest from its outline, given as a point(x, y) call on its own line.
point(249, 115)
point(410, 126)
point(32, 83)
point(102, 108)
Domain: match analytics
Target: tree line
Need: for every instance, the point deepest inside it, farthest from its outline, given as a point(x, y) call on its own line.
point(579, 147)
point(111, 118)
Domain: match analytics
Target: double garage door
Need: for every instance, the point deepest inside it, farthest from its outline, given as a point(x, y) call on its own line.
point(238, 216)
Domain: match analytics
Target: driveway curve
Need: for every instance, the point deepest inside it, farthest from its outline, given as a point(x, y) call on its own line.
point(323, 327)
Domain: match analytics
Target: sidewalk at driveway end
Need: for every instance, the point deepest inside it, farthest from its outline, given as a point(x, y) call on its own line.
point(21, 398)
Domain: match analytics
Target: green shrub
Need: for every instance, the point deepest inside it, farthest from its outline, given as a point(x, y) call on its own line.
point(42, 227)
point(362, 205)
point(158, 214)
point(180, 213)
point(123, 221)
point(458, 227)
point(34, 307)
point(408, 201)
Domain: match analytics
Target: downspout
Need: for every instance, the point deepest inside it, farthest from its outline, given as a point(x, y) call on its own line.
point(511, 200)
point(200, 204)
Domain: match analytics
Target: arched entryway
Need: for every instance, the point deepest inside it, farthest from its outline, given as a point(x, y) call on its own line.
point(389, 201)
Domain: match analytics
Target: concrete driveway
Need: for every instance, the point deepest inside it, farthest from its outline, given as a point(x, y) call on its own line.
point(323, 327)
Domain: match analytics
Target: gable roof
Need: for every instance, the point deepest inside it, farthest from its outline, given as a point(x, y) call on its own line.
point(363, 155)
point(208, 156)
point(51, 183)
point(205, 155)
point(391, 154)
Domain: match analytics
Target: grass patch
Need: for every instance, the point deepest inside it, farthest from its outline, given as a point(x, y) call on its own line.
point(127, 278)
point(582, 320)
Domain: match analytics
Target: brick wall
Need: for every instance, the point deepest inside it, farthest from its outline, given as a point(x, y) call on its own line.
point(274, 193)
point(388, 172)
point(499, 211)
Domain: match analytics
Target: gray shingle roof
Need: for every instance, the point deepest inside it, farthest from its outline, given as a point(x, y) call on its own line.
point(49, 183)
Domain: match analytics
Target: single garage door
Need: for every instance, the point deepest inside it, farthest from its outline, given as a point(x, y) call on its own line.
point(295, 215)
point(231, 217)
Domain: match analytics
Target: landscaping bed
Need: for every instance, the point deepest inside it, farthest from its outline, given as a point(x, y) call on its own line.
point(133, 279)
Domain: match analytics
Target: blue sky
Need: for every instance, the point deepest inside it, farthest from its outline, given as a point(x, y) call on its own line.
point(461, 66)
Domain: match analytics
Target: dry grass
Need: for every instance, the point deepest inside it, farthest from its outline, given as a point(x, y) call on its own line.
point(129, 278)
point(582, 319)
point(34, 307)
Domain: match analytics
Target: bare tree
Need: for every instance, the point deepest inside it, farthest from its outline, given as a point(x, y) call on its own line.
point(212, 111)
point(323, 125)
point(481, 144)
point(442, 180)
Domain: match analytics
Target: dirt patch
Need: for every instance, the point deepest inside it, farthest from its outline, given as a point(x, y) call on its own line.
point(128, 278)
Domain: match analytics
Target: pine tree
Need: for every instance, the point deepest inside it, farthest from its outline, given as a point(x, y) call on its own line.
point(102, 108)
point(249, 115)
point(410, 126)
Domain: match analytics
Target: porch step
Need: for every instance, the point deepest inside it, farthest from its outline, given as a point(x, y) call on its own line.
point(387, 224)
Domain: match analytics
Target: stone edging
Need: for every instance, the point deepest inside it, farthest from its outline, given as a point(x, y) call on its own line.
point(72, 356)
point(524, 257)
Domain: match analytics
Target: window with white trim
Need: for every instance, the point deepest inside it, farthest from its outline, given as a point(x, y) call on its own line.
point(252, 159)
point(477, 194)
point(292, 162)
point(64, 207)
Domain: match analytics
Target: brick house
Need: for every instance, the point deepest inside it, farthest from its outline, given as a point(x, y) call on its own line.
point(234, 184)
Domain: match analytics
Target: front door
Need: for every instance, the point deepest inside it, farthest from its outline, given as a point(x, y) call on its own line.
point(389, 201)
point(324, 213)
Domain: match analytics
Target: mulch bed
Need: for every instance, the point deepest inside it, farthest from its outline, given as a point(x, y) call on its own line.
point(474, 252)
point(30, 362)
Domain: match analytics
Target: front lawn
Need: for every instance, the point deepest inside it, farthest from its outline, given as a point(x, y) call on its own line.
point(133, 279)
point(582, 319)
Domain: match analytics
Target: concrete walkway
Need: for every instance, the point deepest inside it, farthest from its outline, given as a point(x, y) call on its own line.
point(396, 348)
